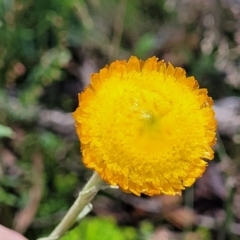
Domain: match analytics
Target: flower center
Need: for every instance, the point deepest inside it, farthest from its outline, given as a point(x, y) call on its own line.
point(149, 124)
point(148, 118)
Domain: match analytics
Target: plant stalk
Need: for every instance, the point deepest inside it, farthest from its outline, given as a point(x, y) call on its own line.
point(87, 194)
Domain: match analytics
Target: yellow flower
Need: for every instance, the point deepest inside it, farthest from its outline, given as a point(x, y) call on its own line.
point(145, 127)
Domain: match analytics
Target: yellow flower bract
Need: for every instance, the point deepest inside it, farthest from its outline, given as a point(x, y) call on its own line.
point(145, 127)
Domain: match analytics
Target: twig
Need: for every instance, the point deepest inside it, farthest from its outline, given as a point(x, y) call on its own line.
point(24, 218)
point(118, 29)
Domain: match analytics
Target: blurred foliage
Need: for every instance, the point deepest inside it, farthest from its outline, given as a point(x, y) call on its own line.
point(48, 49)
point(5, 131)
point(105, 228)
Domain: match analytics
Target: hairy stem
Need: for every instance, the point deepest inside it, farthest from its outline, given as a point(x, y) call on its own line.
point(92, 187)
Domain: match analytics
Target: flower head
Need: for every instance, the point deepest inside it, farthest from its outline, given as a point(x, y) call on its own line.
point(145, 127)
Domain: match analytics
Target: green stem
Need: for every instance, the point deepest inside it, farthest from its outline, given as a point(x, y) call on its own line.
point(92, 187)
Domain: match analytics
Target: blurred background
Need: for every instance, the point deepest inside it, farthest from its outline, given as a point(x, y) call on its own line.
point(48, 49)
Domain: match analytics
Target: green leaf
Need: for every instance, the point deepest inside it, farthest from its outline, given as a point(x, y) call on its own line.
point(6, 131)
point(145, 44)
point(7, 198)
point(100, 228)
